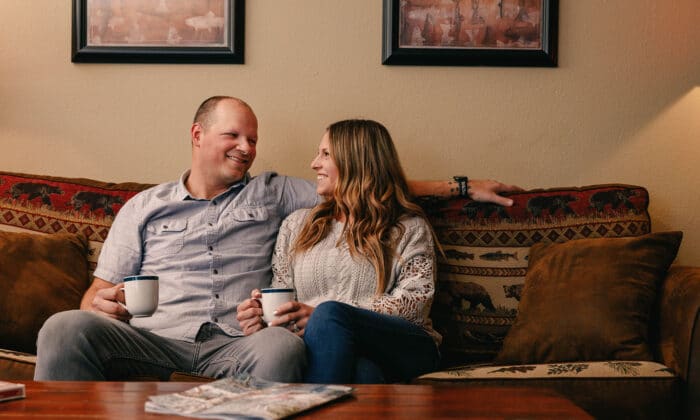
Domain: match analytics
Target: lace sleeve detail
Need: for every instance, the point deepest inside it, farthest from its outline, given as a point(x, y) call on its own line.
point(282, 273)
point(412, 294)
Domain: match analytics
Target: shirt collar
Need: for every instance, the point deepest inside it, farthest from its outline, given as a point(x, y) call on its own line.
point(183, 194)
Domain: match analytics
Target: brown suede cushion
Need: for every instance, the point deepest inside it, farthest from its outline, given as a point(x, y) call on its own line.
point(589, 299)
point(39, 276)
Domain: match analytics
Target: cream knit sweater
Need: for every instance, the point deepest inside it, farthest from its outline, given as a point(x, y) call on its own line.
point(328, 272)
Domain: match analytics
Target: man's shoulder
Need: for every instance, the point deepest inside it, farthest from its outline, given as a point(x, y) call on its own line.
point(273, 178)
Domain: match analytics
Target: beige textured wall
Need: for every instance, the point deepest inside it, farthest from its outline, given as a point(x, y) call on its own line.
point(623, 105)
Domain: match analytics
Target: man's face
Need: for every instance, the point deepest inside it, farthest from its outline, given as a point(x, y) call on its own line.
point(226, 149)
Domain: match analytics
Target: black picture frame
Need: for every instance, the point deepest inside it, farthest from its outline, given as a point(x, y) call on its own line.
point(232, 52)
point(545, 56)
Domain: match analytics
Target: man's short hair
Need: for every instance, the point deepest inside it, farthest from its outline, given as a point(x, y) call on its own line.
point(205, 112)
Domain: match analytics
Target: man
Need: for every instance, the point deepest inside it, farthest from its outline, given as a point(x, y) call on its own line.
point(209, 237)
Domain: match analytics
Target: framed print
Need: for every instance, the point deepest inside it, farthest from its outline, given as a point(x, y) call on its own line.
point(470, 32)
point(158, 31)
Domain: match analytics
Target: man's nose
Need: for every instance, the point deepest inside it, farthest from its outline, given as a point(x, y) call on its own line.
point(245, 147)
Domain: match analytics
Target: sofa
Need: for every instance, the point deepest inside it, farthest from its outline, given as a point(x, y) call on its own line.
point(568, 289)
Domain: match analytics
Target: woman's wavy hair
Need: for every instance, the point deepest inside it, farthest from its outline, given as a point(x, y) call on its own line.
point(371, 193)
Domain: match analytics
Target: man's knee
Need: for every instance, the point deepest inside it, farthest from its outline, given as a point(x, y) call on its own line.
point(281, 355)
point(63, 327)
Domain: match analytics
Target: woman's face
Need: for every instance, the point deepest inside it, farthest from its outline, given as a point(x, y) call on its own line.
point(326, 170)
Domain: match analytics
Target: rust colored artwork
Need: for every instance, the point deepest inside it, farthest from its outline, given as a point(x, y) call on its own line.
point(162, 23)
point(470, 24)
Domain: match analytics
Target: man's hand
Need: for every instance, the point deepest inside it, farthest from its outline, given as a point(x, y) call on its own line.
point(294, 316)
point(249, 313)
point(488, 190)
point(104, 298)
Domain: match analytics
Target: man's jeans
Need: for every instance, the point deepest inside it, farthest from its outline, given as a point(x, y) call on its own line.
point(81, 345)
point(345, 344)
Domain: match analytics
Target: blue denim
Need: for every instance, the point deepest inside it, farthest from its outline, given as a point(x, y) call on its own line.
point(346, 344)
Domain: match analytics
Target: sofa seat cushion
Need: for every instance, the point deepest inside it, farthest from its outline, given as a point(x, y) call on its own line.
point(598, 369)
point(16, 366)
point(605, 389)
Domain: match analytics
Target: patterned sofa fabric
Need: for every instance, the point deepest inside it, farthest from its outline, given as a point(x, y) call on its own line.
point(486, 249)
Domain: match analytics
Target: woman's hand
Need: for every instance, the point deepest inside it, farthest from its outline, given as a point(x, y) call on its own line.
point(293, 316)
point(249, 313)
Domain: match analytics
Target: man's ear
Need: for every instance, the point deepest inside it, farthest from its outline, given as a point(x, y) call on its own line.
point(196, 134)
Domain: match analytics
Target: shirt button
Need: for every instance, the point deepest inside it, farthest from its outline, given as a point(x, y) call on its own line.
point(216, 319)
point(210, 224)
point(216, 295)
point(214, 202)
point(216, 271)
point(211, 248)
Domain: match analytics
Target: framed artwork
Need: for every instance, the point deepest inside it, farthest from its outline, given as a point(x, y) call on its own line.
point(158, 31)
point(470, 32)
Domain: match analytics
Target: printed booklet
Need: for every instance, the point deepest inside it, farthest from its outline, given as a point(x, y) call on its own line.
point(11, 391)
point(245, 397)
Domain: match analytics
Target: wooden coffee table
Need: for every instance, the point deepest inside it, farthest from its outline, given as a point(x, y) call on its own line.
point(125, 401)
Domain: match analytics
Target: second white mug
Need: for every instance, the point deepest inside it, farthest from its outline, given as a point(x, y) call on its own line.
point(272, 299)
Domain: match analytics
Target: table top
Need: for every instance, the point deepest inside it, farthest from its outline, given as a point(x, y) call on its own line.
point(125, 400)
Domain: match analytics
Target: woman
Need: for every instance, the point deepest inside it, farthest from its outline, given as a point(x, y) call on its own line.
point(362, 263)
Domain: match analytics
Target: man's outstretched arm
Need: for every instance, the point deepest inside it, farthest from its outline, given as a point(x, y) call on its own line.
point(477, 189)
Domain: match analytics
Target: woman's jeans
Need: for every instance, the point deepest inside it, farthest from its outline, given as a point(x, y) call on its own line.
point(346, 344)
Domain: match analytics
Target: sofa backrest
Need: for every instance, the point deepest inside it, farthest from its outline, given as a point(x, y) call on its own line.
point(46, 204)
point(486, 248)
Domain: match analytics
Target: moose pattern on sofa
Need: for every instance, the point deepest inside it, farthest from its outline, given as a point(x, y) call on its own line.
point(46, 204)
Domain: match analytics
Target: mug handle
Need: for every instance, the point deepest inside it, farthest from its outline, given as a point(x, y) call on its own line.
point(123, 304)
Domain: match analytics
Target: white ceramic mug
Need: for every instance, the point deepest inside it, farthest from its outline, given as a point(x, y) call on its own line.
point(141, 295)
point(272, 299)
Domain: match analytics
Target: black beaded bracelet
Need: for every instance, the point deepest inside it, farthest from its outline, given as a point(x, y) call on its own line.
point(462, 182)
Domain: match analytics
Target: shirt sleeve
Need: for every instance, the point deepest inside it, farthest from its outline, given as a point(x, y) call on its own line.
point(121, 252)
point(298, 194)
point(410, 295)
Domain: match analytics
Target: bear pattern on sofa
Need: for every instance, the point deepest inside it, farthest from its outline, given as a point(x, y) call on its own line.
point(481, 274)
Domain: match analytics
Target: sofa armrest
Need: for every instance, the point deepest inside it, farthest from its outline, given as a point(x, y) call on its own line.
point(679, 330)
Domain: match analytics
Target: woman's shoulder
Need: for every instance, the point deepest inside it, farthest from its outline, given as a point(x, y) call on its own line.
point(415, 222)
point(296, 218)
point(416, 228)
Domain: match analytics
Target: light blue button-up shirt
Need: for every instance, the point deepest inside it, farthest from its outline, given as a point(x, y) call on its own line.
point(208, 254)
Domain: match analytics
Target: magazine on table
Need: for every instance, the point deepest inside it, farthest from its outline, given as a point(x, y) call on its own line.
point(245, 397)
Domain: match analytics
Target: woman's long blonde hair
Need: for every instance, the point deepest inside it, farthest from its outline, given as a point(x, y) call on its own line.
point(371, 195)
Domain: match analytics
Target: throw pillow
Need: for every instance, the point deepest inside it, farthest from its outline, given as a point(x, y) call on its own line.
point(39, 276)
point(589, 299)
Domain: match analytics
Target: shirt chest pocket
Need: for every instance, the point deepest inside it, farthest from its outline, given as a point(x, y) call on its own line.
point(168, 235)
point(250, 214)
point(251, 225)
